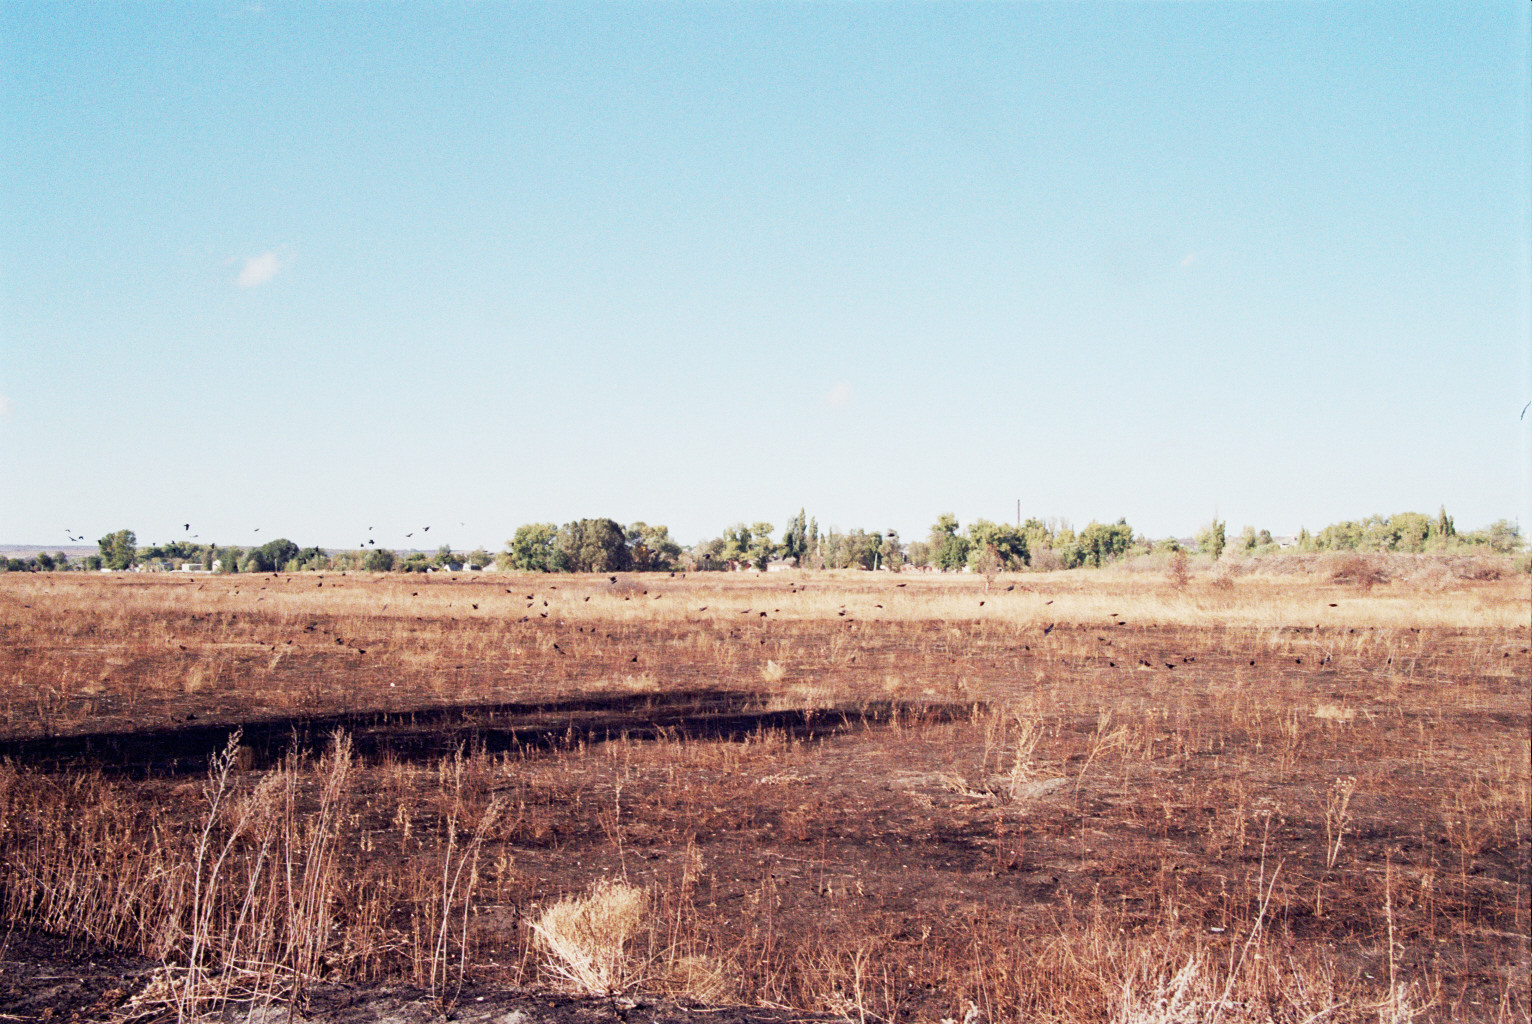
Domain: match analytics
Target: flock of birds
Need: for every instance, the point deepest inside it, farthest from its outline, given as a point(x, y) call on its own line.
point(186, 527)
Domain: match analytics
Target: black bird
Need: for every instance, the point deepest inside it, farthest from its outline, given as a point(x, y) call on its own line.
point(188, 527)
point(409, 535)
point(427, 529)
point(1049, 628)
point(1524, 410)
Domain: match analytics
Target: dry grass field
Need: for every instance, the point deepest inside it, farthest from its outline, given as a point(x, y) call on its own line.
point(1070, 797)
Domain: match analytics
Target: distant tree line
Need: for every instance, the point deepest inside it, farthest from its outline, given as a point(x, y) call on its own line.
point(1405, 532)
point(603, 545)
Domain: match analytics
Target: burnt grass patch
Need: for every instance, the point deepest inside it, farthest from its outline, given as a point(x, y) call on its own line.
point(431, 733)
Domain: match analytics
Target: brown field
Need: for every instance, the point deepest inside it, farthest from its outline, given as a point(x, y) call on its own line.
point(1048, 797)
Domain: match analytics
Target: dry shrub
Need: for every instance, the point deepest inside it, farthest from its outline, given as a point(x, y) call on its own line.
point(1180, 575)
point(1356, 569)
point(1486, 568)
point(587, 940)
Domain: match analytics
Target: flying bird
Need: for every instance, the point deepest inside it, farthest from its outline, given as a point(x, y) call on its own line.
point(188, 527)
point(1524, 410)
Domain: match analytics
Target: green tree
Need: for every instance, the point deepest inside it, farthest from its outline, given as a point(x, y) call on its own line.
point(891, 554)
point(1342, 536)
point(1502, 536)
point(535, 548)
point(1443, 528)
point(119, 550)
point(997, 546)
point(1247, 539)
point(762, 550)
point(918, 552)
point(708, 555)
point(859, 550)
point(378, 560)
point(1211, 539)
point(272, 556)
point(949, 550)
point(795, 539)
point(1037, 535)
point(1101, 542)
point(594, 545)
point(736, 545)
point(650, 548)
point(312, 559)
point(1410, 531)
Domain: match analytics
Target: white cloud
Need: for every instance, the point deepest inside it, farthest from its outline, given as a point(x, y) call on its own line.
point(839, 395)
point(260, 269)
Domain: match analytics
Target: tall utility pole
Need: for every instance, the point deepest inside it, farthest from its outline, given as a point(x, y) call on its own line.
point(1018, 513)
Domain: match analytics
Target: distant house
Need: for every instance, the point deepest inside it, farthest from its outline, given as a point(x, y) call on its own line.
point(780, 565)
point(452, 567)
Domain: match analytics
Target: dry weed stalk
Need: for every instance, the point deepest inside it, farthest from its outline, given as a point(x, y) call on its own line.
point(459, 879)
point(1337, 817)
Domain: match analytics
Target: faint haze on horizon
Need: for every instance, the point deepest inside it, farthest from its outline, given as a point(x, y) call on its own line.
point(316, 269)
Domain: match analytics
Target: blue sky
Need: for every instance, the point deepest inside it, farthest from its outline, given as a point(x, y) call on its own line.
point(318, 267)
